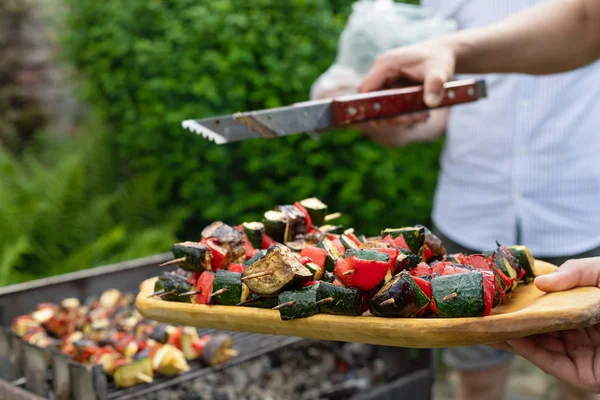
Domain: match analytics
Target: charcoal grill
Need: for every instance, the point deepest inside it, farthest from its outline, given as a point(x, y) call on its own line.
point(27, 372)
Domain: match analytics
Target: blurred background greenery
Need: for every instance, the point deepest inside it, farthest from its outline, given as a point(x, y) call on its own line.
point(129, 180)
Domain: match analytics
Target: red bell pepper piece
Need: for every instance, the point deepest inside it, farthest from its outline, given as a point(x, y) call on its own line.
point(422, 269)
point(316, 254)
point(488, 291)
point(393, 254)
point(337, 243)
point(199, 344)
point(361, 274)
point(305, 260)
point(506, 279)
point(424, 285)
point(477, 261)
point(353, 237)
point(267, 242)
point(460, 257)
point(427, 253)
point(399, 241)
point(307, 218)
point(233, 267)
point(433, 306)
point(204, 285)
point(447, 268)
point(248, 249)
point(175, 338)
point(193, 278)
point(220, 255)
point(310, 283)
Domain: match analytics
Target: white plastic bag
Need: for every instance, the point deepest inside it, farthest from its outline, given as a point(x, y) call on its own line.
point(374, 27)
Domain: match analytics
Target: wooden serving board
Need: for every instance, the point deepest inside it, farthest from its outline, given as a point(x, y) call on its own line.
point(524, 312)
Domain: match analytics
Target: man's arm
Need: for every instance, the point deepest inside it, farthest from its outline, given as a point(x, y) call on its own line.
point(552, 37)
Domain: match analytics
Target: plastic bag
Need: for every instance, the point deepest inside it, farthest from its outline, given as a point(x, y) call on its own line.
point(374, 27)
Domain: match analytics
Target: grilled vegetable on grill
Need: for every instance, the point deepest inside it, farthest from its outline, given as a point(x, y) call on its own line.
point(191, 256)
point(226, 245)
point(22, 324)
point(217, 349)
point(295, 222)
point(168, 360)
point(133, 373)
point(275, 223)
point(170, 286)
point(279, 269)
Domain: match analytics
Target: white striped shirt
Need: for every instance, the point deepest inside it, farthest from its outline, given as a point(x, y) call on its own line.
point(523, 165)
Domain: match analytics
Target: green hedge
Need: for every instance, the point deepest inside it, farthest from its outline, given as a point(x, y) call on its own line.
point(149, 64)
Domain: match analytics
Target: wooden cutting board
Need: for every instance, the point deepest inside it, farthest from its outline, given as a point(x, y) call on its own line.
point(524, 312)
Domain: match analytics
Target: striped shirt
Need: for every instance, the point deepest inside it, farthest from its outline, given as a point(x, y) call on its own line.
point(523, 165)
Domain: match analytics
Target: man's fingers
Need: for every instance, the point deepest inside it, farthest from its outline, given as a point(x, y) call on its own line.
point(434, 87)
point(378, 76)
point(556, 364)
point(573, 273)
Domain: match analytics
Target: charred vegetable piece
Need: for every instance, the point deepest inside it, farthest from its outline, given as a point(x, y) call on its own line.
point(333, 299)
point(275, 223)
point(316, 270)
point(168, 360)
point(316, 209)
point(296, 245)
point(406, 260)
point(226, 237)
point(171, 287)
point(161, 332)
point(134, 373)
point(24, 323)
point(259, 254)
point(413, 236)
point(348, 243)
point(433, 243)
point(363, 269)
point(505, 271)
point(254, 231)
point(229, 286)
point(397, 298)
point(83, 350)
point(218, 349)
point(511, 262)
point(298, 303)
point(191, 256)
point(332, 253)
point(188, 337)
point(459, 295)
point(280, 268)
point(328, 277)
point(259, 302)
point(524, 257)
point(295, 222)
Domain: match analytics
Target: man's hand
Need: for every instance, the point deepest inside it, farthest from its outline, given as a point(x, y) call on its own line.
point(572, 355)
point(431, 62)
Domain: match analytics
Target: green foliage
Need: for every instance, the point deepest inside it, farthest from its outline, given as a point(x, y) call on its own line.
point(149, 64)
point(62, 209)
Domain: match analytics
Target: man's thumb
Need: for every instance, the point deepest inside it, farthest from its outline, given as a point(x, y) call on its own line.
point(434, 87)
point(573, 273)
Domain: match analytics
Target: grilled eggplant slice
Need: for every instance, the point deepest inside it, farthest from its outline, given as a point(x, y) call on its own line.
point(397, 298)
point(282, 270)
point(218, 349)
point(434, 243)
point(295, 222)
point(275, 223)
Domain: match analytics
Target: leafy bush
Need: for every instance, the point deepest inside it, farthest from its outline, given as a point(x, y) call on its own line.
point(149, 64)
point(72, 213)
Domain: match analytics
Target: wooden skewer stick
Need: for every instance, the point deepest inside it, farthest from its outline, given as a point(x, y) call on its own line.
point(166, 294)
point(333, 216)
point(388, 301)
point(218, 292)
point(248, 301)
point(450, 296)
point(349, 272)
point(144, 378)
point(257, 275)
point(157, 293)
point(232, 352)
point(325, 300)
point(175, 261)
point(193, 292)
point(286, 304)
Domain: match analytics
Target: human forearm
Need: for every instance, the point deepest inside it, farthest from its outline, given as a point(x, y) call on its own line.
point(552, 37)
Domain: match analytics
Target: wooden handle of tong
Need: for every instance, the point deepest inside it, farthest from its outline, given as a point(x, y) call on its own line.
point(350, 110)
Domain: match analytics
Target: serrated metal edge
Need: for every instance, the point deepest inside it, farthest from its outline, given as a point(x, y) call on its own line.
point(206, 133)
